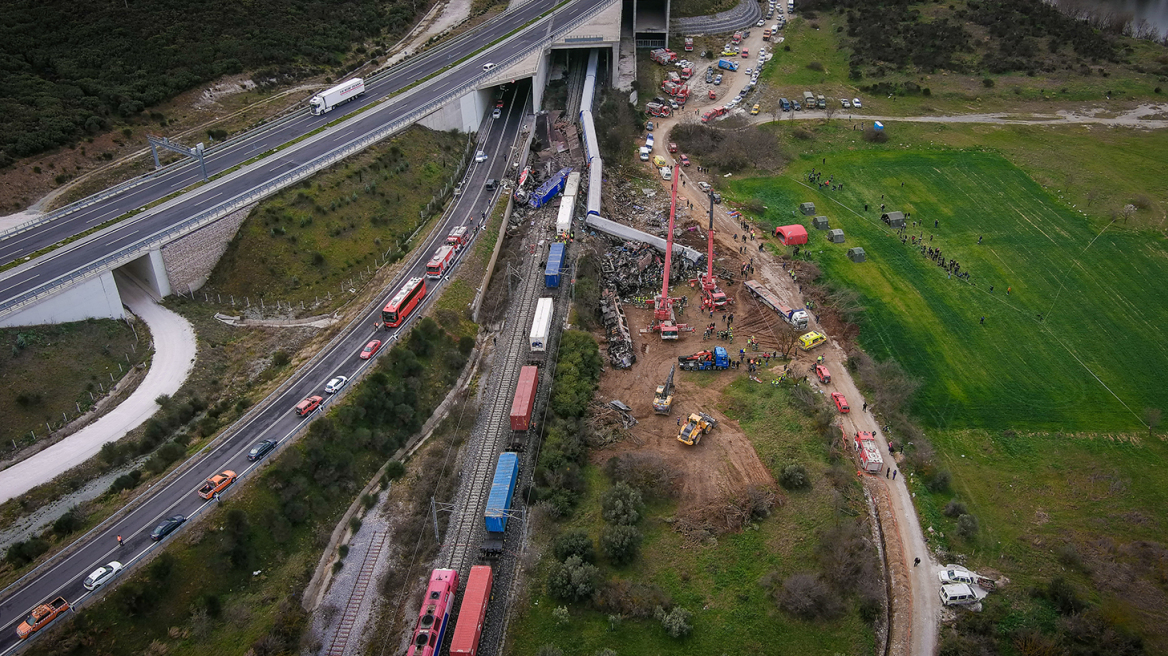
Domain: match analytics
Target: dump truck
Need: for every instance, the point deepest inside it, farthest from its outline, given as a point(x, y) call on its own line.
point(706, 360)
point(795, 316)
point(663, 398)
point(727, 64)
point(325, 101)
point(698, 424)
point(40, 617)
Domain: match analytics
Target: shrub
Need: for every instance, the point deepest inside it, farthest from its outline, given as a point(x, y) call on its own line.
point(126, 482)
point(794, 477)
point(988, 82)
point(815, 66)
point(806, 597)
point(967, 526)
point(560, 613)
point(23, 553)
point(69, 522)
point(955, 509)
point(280, 359)
point(573, 579)
point(620, 544)
point(574, 543)
point(1061, 594)
point(675, 622)
point(395, 470)
point(622, 505)
point(847, 555)
point(872, 135)
point(631, 599)
point(940, 481)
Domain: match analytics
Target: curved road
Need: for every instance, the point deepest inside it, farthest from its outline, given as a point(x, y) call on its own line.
point(70, 258)
point(176, 493)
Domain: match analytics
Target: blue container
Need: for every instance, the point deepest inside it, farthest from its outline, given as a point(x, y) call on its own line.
point(499, 502)
point(555, 266)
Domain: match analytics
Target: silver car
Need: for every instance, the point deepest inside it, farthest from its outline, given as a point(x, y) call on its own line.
point(102, 575)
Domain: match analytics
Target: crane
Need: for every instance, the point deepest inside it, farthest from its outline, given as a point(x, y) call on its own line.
point(664, 319)
point(712, 297)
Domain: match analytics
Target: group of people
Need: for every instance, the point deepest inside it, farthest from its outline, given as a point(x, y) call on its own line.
point(816, 177)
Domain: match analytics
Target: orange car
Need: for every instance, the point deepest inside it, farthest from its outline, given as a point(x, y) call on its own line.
point(41, 616)
point(217, 484)
point(841, 403)
point(305, 407)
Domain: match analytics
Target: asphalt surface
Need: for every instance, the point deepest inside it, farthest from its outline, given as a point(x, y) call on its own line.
point(176, 495)
point(64, 260)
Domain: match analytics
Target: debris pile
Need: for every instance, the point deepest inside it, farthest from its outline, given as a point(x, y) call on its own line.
point(616, 327)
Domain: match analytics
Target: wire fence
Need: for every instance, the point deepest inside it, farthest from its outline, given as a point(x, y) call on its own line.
point(255, 194)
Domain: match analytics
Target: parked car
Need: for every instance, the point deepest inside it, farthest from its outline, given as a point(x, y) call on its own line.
point(956, 574)
point(704, 186)
point(260, 450)
point(649, 125)
point(305, 407)
point(754, 110)
point(168, 526)
point(796, 106)
point(217, 483)
point(856, 103)
point(846, 105)
point(480, 156)
point(718, 79)
point(371, 348)
point(102, 575)
point(684, 160)
point(841, 403)
point(672, 147)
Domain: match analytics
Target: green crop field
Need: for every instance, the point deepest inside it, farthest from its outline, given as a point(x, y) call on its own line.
point(1077, 345)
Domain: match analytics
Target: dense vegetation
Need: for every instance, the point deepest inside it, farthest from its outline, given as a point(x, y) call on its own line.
point(898, 34)
point(272, 525)
point(71, 69)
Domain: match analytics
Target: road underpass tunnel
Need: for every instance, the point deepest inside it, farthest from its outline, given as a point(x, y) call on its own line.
point(650, 21)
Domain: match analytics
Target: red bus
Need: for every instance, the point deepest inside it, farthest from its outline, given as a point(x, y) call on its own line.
point(403, 302)
point(458, 237)
point(443, 258)
point(434, 615)
point(474, 609)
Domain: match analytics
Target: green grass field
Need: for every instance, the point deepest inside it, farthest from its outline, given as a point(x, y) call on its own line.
point(719, 583)
point(1091, 362)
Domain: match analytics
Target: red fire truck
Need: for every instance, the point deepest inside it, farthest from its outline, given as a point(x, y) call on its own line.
point(441, 261)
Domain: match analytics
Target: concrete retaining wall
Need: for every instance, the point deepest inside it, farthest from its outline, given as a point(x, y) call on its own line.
point(190, 260)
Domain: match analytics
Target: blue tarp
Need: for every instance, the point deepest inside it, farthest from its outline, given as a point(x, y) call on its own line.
point(499, 501)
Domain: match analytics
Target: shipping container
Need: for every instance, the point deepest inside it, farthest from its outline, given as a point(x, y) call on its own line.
point(503, 486)
point(524, 400)
point(555, 266)
point(473, 611)
point(564, 218)
point(541, 324)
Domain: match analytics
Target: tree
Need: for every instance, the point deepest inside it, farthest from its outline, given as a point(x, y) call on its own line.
point(574, 543)
point(573, 579)
point(829, 111)
point(620, 544)
point(675, 622)
point(967, 526)
point(794, 477)
point(622, 505)
point(788, 337)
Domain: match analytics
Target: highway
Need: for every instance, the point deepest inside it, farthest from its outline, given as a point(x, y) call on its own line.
point(176, 494)
point(71, 258)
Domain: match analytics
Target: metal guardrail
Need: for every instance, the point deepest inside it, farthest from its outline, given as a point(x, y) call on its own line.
point(258, 193)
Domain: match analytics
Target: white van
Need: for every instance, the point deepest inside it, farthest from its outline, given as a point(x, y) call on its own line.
point(488, 66)
point(666, 173)
point(957, 594)
point(644, 153)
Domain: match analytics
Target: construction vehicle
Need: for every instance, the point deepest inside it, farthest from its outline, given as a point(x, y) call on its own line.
point(712, 297)
point(663, 398)
point(698, 424)
point(664, 318)
point(719, 358)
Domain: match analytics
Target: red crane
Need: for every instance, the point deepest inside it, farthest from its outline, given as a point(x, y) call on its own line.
point(664, 319)
point(712, 297)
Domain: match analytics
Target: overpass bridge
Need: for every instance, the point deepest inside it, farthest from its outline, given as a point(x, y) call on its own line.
point(173, 245)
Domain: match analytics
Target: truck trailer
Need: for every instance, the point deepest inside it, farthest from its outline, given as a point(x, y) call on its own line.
point(797, 317)
point(524, 400)
point(325, 101)
point(499, 502)
point(541, 325)
point(719, 358)
point(555, 266)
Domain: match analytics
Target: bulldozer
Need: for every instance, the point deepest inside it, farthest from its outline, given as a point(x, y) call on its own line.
point(698, 424)
point(663, 398)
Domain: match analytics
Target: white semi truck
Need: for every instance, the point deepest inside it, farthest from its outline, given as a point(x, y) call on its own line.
point(325, 101)
point(541, 325)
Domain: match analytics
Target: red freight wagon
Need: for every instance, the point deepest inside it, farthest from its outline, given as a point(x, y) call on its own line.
point(524, 400)
point(473, 611)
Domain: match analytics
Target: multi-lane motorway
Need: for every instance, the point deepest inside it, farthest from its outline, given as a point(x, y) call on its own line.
point(176, 495)
point(58, 263)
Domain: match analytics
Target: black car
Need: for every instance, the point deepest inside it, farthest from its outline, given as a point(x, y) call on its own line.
point(261, 449)
point(167, 527)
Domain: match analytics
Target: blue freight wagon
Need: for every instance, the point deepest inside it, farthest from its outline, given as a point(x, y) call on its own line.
point(555, 266)
point(499, 501)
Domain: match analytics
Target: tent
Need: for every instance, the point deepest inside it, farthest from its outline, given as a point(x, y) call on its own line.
point(820, 223)
point(893, 219)
point(857, 254)
point(791, 235)
point(807, 209)
point(835, 236)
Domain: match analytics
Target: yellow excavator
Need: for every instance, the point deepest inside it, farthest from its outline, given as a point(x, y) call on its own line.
point(698, 424)
point(663, 398)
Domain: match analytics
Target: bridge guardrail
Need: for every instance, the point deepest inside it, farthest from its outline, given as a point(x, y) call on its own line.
point(272, 186)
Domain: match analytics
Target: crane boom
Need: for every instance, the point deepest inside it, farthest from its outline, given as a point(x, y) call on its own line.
point(664, 309)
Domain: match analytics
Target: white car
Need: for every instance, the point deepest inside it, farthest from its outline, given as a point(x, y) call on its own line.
point(845, 103)
point(102, 575)
point(856, 103)
point(760, 23)
point(497, 113)
point(335, 385)
point(749, 71)
point(480, 156)
point(955, 574)
point(488, 66)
